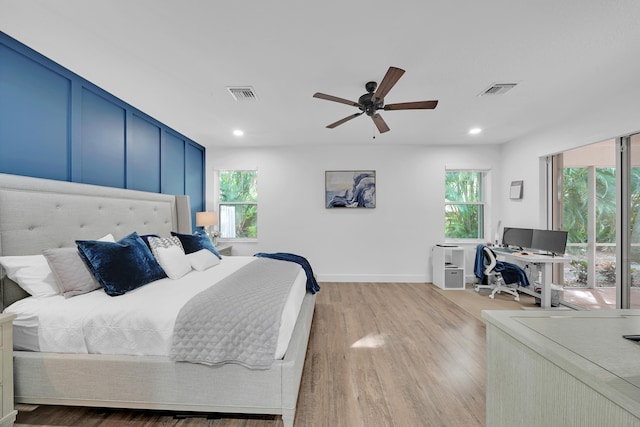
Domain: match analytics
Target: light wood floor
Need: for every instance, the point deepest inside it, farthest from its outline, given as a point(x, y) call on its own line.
point(384, 354)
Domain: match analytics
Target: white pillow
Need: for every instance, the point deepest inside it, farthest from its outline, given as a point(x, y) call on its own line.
point(32, 273)
point(203, 259)
point(108, 238)
point(173, 261)
point(163, 242)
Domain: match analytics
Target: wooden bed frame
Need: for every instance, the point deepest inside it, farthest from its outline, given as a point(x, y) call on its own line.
point(36, 214)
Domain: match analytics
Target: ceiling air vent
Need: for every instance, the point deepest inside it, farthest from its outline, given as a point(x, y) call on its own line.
point(498, 89)
point(245, 93)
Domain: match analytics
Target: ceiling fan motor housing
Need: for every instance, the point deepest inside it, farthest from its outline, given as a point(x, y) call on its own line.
point(365, 101)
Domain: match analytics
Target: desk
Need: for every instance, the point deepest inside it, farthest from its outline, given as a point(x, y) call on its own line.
point(543, 263)
point(562, 368)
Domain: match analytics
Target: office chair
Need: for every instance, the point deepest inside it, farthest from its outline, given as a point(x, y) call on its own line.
point(495, 280)
point(483, 267)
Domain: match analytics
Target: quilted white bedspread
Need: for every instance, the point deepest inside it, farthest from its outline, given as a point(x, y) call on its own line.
point(141, 322)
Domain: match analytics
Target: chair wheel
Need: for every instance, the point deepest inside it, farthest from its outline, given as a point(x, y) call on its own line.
point(491, 296)
point(517, 299)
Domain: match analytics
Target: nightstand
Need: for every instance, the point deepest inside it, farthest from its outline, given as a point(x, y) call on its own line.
point(224, 249)
point(7, 411)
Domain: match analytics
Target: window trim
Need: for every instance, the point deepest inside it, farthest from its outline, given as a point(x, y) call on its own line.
point(218, 203)
point(485, 196)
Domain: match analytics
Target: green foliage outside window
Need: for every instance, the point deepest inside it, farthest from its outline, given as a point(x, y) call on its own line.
point(576, 204)
point(575, 213)
point(238, 204)
point(464, 206)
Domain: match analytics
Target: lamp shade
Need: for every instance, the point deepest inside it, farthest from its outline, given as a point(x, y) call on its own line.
point(205, 219)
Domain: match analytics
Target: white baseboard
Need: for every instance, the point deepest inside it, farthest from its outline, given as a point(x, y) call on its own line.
point(381, 278)
point(376, 278)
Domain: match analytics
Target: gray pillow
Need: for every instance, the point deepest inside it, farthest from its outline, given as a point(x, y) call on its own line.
point(72, 275)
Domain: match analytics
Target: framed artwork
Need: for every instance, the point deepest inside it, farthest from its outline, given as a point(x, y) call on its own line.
point(515, 192)
point(350, 189)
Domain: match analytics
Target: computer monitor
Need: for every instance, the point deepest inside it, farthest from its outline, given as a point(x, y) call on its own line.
point(519, 237)
point(554, 241)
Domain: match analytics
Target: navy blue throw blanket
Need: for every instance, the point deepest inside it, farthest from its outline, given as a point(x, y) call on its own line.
point(511, 273)
point(478, 265)
point(312, 285)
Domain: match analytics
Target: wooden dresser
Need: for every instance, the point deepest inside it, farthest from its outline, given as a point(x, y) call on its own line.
point(8, 414)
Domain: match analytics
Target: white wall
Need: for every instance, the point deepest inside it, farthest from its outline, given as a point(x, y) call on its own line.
point(523, 159)
point(393, 241)
point(389, 243)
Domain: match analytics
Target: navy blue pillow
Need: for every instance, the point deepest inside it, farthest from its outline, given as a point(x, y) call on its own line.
point(196, 241)
point(121, 266)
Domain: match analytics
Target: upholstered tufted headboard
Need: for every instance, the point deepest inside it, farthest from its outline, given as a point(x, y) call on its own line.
point(37, 214)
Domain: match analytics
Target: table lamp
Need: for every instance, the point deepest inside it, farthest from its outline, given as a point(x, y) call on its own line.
point(207, 220)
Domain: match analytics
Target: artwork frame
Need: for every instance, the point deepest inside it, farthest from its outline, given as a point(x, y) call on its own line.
point(515, 191)
point(350, 189)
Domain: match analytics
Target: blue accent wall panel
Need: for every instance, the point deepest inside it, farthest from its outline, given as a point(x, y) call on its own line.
point(172, 164)
point(55, 124)
point(194, 182)
point(103, 137)
point(143, 155)
point(34, 118)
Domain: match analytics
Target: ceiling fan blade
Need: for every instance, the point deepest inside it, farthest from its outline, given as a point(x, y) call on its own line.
point(335, 99)
point(389, 80)
point(380, 123)
point(420, 105)
point(346, 119)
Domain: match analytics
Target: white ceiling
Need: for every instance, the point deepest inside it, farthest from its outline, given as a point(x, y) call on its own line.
point(174, 60)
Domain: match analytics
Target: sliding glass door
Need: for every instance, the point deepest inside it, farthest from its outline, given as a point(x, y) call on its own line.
point(587, 191)
point(631, 273)
point(597, 201)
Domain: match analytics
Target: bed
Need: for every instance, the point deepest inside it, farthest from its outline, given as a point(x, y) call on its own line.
point(37, 214)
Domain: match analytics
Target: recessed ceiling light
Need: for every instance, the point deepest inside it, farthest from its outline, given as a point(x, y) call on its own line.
point(238, 132)
point(474, 131)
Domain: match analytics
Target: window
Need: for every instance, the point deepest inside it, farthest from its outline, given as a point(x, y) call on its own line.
point(238, 204)
point(464, 205)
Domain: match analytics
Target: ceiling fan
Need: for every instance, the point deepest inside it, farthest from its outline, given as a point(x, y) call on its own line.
point(373, 100)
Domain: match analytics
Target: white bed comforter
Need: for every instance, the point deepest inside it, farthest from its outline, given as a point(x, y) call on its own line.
point(139, 322)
